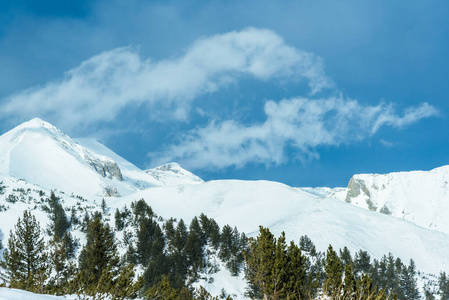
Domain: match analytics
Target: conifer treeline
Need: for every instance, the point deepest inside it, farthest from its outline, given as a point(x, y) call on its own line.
point(170, 257)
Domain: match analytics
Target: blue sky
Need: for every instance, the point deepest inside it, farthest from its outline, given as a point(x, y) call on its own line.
point(303, 92)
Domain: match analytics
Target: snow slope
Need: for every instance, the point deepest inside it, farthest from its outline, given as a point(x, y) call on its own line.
point(14, 294)
point(248, 204)
point(421, 197)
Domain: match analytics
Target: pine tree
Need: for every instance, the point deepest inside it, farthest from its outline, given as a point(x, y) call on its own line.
point(345, 256)
point(280, 268)
point(260, 260)
point(181, 236)
point(333, 269)
point(170, 233)
point(150, 240)
point(362, 262)
point(119, 222)
point(194, 247)
point(99, 253)
point(25, 259)
point(2, 188)
point(59, 221)
point(443, 284)
point(350, 286)
point(141, 210)
point(409, 282)
point(296, 282)
point(162, 291)
point(63, 268)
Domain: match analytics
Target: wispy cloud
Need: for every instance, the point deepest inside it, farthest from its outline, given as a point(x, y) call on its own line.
point(101, 87)
point(299, 124)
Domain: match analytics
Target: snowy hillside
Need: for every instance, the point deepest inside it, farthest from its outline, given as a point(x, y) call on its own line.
point(421, 197)
point(248, 204)
point(14, 294)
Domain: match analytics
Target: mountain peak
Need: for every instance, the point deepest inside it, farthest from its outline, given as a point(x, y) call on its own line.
point(36, 123)
point(173, 174)
point(40, 153)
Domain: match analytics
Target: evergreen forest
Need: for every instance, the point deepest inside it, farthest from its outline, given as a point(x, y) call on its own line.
point(134, 253)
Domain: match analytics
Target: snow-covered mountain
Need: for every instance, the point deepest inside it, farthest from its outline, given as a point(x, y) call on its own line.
point(36, 158)
point(42, 154)
point(421, 197)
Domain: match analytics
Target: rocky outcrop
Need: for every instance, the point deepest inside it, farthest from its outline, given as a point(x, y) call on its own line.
point(355, 188)
point(106, 168)
point(110, 191)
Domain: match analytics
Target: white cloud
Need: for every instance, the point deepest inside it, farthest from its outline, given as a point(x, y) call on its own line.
point(300, 124)
point(100, 88)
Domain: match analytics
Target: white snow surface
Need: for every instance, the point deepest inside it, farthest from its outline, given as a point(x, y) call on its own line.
point(14, 294)
point(421, 197)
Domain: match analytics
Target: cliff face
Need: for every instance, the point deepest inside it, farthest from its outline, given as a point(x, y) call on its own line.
point(421, 197)
point(106, 168)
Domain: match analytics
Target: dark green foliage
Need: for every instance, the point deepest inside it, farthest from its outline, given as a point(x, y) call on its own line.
point(314, 265)
point(274, 270)
point(297, 277)
point(177, 260)
point(150, 241)
point(141, 210)
point(119, 222)
point(62, 266)
point(121, 218)
point(25, 259)
point(162, 291)
point(211, 230)
point(2, 188)
point(181, 235)
point(443, 284)
point(345, 256)
point(362, 262)
point(232, 246)
point(104, 207)
point(194, 247)
point(392, 276)
point(99, 254)
point(333, 272)
point(59, 222)
point(85, 222)
point(260, 260)
point(408, 281)
point(306, 245)
point(170, 233)
point(73, 217)
point(350, 286)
